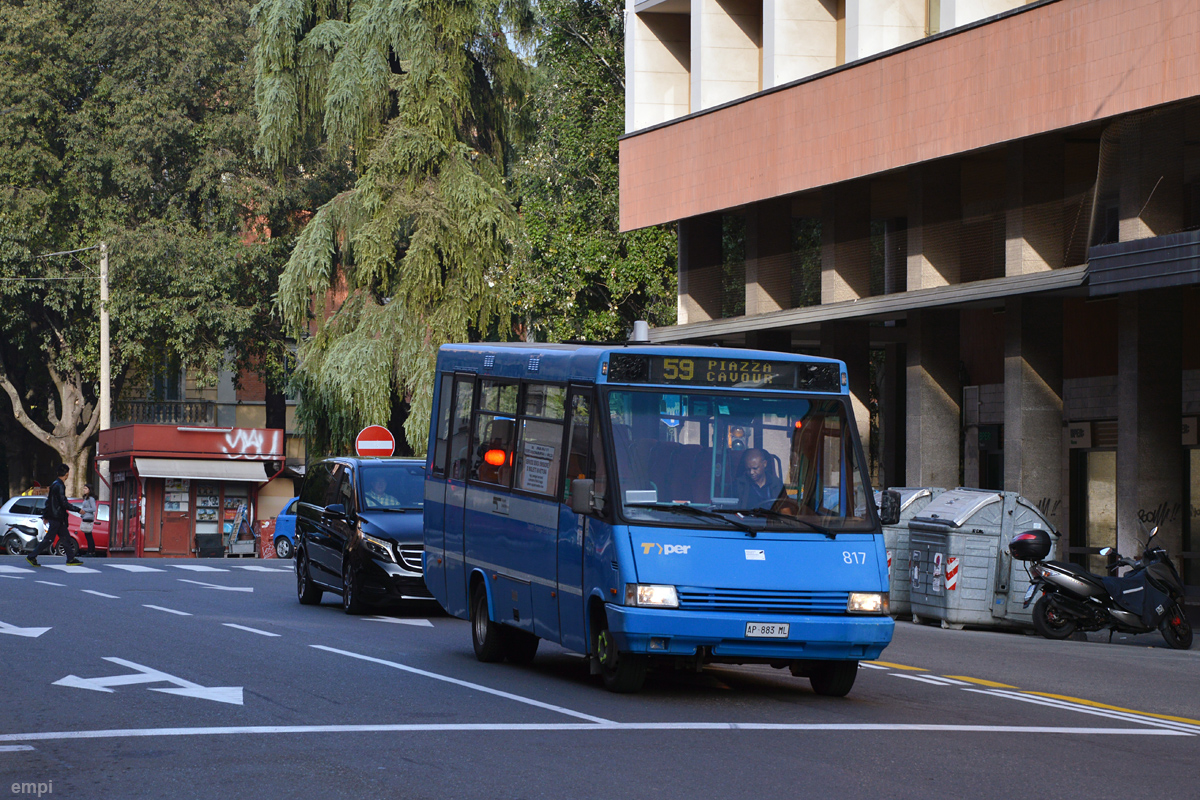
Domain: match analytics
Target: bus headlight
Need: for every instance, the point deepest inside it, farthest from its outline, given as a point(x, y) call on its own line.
point(378, 547)
point(867, 603)
point(650, 595)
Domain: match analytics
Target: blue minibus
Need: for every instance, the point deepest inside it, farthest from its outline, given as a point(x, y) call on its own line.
point(655, 506)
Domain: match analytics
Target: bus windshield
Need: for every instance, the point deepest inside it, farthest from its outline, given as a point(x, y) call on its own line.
point(778, 462)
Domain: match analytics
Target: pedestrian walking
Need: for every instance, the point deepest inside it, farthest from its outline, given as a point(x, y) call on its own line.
point(87, 519)
point(55, 517)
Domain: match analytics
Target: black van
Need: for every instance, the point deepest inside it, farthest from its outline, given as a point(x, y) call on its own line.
point(359, 532)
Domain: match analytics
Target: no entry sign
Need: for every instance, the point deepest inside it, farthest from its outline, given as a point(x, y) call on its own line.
point(375, 440)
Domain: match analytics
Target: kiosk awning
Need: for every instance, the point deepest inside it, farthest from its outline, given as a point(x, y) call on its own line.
point(202, 469)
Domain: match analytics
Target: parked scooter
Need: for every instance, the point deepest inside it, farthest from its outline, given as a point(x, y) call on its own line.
point(20, 538)
point(1147, 598)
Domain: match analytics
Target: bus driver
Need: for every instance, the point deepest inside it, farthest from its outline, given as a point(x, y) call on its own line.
point(759, 487)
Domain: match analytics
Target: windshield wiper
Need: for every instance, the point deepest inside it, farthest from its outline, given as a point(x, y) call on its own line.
point(698, 512)
point(769, 514)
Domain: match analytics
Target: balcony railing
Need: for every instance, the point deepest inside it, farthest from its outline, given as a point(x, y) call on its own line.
point(165, 412)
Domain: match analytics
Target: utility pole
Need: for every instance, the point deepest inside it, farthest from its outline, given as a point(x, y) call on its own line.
point(105, 369)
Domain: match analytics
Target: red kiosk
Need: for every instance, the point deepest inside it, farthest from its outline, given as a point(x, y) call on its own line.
point(185, 491)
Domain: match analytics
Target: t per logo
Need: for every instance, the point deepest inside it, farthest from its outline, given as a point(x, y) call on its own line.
point(665, 549)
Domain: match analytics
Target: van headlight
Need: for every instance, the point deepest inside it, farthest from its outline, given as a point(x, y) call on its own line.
point(867, 603)
point(378, 547)
point(651, 595)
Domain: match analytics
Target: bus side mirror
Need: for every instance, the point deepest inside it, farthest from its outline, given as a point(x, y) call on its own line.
point(582, 490)
point(889, 507)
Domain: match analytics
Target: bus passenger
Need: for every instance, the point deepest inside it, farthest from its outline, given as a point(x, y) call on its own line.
point(758, 487)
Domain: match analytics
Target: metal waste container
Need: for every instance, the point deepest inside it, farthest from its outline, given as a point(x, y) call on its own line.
point(960, 570)
point(895, 539)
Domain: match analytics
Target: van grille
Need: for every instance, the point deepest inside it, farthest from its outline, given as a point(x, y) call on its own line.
point(696, 598)
point(411, 557)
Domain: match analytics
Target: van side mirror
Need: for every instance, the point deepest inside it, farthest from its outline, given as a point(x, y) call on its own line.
point(335, 510)
point(582, 495)
point(889, 507)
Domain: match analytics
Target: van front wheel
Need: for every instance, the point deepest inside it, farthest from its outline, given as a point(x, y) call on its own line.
point(833, 678)
point(623, 673)
point(486, 636)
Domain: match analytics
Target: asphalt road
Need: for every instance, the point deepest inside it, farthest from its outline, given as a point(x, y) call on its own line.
point(172, 682)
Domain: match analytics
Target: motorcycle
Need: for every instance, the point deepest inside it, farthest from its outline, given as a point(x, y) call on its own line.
point(20, 538)
point(1147, 598)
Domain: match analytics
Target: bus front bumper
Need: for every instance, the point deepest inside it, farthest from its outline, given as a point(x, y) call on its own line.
point(722, 635)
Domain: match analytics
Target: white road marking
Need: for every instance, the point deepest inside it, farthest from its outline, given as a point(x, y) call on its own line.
point(251, 630)
point(15, 748)
point(14, 577)
point(10, 568)
point(129, 733)
point(1099, 712)
point(258, 568)
point(135, 568)
point(417, 623)
point(100, 594)
point(953, 681)
point(198, 568)
point(71, 570)
point(168, 610)
point(477, 687)
point(29, 633)
point(218, 586)
point(52, 583)
point(865, 665)
point(921, 678)
point(143, 674)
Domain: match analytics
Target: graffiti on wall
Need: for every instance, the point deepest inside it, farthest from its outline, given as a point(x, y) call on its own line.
point(252, 443)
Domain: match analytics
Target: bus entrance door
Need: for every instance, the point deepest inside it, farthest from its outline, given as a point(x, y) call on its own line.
point(456, 495)
point(572, 527)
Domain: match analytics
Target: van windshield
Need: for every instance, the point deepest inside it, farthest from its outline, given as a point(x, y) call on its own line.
point(783, 462)
point(394, 487)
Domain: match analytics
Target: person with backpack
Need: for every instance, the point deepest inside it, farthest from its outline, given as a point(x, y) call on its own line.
point(55, 517)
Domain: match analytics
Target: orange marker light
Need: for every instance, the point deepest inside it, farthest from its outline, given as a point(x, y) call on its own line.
point(495, 457)
point(799, 424)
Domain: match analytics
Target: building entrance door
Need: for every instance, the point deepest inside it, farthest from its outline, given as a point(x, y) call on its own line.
point(176, 519)
point(1093, 507)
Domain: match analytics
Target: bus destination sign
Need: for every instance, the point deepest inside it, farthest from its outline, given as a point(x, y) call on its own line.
point(723, 372)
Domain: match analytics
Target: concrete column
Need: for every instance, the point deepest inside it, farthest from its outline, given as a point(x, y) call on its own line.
point(726, 51)
point(1150, 394)
point(850, 342)
point(799, 39)
point(873, 26)
point(962, 12)
point(934, 393)
point(1033, 409)
point(657, 67)
point(846, 242)
point(891, 416)
point(769, 256)
point(934, 225)
point(1034, 239)
point(699, 268)
point(970, 417)
point(1151, 176)
point(895, 255)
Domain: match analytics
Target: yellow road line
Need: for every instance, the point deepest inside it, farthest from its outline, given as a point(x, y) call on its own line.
point(1094, 704)
point(981, 682)
point(898, 666)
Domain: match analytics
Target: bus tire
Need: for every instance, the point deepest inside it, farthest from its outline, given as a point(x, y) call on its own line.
point(833, 678)
point(623, 673)
point(519, 646)
point(486, 636)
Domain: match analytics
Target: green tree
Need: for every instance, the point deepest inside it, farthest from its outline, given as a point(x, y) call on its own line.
point(585, 279)
point(137, 129)
point(423, 96)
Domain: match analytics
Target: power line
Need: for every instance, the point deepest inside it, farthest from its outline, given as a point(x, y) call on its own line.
point(69, 252)
point(66, 278)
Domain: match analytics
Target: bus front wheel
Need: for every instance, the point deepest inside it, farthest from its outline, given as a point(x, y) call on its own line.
point(833, 678)
point(622, 672)
point(486, 636)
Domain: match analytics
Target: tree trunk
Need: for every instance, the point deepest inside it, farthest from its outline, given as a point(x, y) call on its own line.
point(73, 422)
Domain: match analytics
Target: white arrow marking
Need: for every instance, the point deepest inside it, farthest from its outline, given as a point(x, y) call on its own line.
point(100, 594)
point(418, 623)
point(198, 568)
point(222, 588)
point(13, 630)
point(144, 674)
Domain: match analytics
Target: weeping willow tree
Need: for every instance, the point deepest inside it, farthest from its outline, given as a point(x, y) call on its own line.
point(423, 98)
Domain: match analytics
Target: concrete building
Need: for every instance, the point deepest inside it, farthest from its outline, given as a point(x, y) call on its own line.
point(989, 209)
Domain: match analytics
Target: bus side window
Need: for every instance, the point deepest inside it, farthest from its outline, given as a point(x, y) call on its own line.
point(492, 449)
point(577, 448)
point(460, 429)
point(441, 444)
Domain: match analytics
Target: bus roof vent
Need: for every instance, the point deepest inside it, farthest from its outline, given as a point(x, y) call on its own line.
point(534, 363)
point(641, 332)
point(489, 361)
